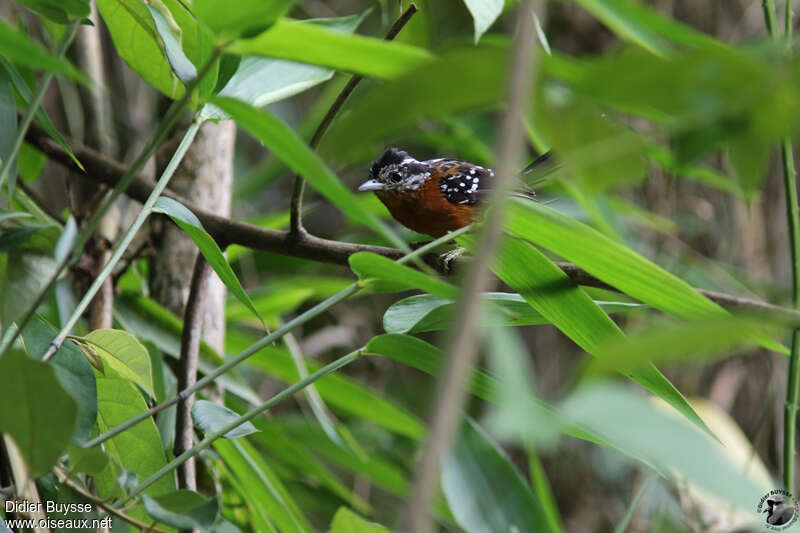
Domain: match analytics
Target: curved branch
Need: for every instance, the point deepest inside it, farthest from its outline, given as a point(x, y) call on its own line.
point(225, 231)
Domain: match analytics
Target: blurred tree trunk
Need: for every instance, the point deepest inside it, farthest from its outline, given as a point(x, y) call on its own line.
point(205, 178)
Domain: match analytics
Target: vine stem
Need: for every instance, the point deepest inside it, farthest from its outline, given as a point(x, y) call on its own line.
point(793, 220)
point(147, 208)
point(264, 341)
point(14, 330)
point(34, 104)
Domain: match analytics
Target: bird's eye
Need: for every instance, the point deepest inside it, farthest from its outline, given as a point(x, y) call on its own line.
point(394, 177)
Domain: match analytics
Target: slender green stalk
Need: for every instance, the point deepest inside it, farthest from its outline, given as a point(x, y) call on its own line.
point(793, 219)
point(34, 104)
point(252, 413)
point(94, 221)
point(147, 208)
point(264, 341)
point(770, 18)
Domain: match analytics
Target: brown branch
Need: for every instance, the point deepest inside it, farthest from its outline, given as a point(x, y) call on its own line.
point(64, 478)
point(187, 368)
point(296, 206)
point(226, 231)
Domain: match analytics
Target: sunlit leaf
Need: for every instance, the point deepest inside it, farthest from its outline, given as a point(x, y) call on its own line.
point(346, 521)
point(21, 49)
point(235, 18)
point(484, 13)
point(125, 354)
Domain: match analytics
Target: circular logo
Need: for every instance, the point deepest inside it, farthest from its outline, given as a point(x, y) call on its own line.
point(780, 509)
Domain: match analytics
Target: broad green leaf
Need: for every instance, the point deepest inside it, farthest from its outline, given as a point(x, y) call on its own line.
point(23, 50)
point(288, 146)
point(210, 416)
point(171, 36)
point(427, 358)
point(484, 13)
point(8, 127)
point(426, 312)
point(687, 342)
point(640, 24)
point(546, 288)
point(26, 274)
point(517, 399)
point(483, 488)
point(266, 494)
point(29, 164)
point(121, 351)
point(13, 238)
point(426, 91)
point(640, 427)
point(39, 415)
point(90, 461)
point(137, 449)
point(232, 19)
point(369, 266)
point(260, 81)
point(309, 43)
point(189, 223)
point(182, 509)
point(346, 521)
point(73, 372)
point(137, 41)
point(340, 392)
point(611, 262)
point(60, 11)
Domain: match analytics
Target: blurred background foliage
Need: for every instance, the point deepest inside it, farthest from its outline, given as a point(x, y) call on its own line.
point(665, 117)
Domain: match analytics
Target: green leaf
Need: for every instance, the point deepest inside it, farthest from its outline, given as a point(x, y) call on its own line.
point(42, 418)
point(90, 461)
point(640, 24)
point(611, 262)
point(641, 428)
point(189, 223)
point(266, 495)
point(210, 416)
point(426, 312)
point(137, 41)
point(235, 18)
point(367, 265)
point(309, 43)
point(341, 392)
point(23, 50)
point(484, 13)
point(690, 342)
point(36, 163)
point(546, 288)
point(182, 509)
point(484, 490)
point(8, 127)
point(73, 372)
point(26, 274)
point(346, 521)
point(171, 35)
point(426, 91)
point(60, 11)
point(260, 81)
point(290, 148)
point(121, 351)
point(137, 449)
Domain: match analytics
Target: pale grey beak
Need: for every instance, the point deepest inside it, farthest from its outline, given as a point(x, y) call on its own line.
point(371, 185)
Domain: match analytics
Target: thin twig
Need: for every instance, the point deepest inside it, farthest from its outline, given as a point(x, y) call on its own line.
point(187, 367)
point(462, 345)
point(64, 479)
point(296, 207)
point(226, 231)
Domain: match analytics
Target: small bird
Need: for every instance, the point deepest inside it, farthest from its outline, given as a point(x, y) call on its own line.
point(434, 196)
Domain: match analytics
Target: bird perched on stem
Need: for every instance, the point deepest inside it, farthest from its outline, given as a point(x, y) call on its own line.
point(433, 196)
